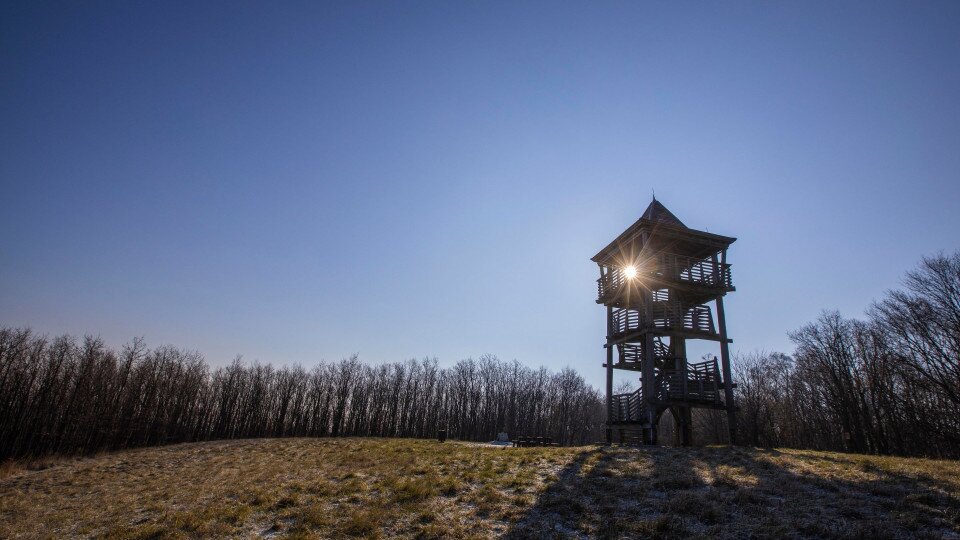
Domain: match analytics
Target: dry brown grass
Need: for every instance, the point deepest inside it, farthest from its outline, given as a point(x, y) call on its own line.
point(316, 488)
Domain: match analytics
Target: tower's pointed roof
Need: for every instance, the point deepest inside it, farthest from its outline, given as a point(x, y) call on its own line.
point(667, 233)
point(659, 213)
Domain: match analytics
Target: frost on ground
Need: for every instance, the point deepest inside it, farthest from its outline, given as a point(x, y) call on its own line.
point(317, 488)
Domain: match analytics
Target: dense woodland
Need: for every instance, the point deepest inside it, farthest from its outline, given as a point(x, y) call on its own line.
point(67, 396)
point(887, 384)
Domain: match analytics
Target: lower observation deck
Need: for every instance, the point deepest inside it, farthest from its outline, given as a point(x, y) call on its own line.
point(699, 385)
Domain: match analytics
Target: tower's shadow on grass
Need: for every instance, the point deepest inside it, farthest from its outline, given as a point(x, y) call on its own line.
point(738, 493)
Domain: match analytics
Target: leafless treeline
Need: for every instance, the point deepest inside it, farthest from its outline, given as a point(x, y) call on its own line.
point(67, 396)
point(887, 384)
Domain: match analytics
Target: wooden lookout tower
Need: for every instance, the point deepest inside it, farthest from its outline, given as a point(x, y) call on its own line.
point(657, 281)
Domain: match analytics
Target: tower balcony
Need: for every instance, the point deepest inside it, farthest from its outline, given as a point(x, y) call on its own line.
point(669, 317)
point(665, 269)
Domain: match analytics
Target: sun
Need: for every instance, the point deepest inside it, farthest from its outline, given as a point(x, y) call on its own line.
point(630, 272)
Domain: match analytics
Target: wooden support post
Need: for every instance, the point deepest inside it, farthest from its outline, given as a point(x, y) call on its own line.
point(648, 377)
point(681, 352)
point(610, 347)
point(727, 377)
point(684, 418)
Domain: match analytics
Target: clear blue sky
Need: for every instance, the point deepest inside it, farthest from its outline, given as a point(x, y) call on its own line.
point(408, 179)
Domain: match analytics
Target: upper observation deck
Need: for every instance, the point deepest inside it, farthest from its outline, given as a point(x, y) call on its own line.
point(659, 252)
point(697, 279)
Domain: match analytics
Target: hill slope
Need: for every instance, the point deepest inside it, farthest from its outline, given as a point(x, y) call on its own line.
point(409, 488)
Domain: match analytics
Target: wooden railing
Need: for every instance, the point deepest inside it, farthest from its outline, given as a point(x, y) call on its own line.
point(666, 316)
point(698, 318)
point(627, 407)
point(690, 270)
point(699, 382)
point(668, 267)
point(632, 353)
point(625, 320)
point(610, 282)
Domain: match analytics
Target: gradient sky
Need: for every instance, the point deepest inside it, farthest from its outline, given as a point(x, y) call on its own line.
point(430, 179)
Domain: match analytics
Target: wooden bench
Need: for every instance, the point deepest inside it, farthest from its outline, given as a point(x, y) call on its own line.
point(523, 441)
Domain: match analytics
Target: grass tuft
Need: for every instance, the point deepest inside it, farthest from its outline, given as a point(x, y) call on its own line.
point(362, 523)
point(412, 490)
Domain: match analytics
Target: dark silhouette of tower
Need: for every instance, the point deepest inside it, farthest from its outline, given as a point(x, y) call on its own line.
point(657, 280)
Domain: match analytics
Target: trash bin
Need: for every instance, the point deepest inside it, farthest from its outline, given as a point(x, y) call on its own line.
point(441, 435)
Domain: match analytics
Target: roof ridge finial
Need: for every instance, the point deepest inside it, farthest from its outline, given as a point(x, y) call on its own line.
point(653, 192)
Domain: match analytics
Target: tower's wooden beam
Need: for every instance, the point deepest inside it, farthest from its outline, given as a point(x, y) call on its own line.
point(609, 366)
point(725, 364)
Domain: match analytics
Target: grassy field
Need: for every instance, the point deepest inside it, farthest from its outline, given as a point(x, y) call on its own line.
point(310, 488)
